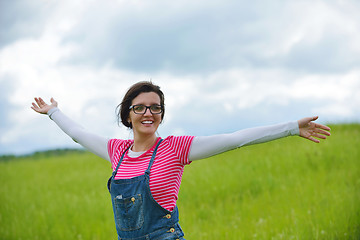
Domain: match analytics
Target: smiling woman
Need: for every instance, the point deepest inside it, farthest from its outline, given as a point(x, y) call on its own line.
point(147, 172)
point(133, 92)
point(144, 122)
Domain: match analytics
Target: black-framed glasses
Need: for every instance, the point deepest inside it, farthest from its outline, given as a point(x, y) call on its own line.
point(141, 109)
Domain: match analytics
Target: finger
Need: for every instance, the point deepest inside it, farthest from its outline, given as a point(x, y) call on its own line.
point(314, 140)
point(42, 101)
point(53, 102)
point(318, 130)
point(35, 108)
point(314, 118)
point(322, 126)
point(319, 136)
point(34, 105)
point(37, 101)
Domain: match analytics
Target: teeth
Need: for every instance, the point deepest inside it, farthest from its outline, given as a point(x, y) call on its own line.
point(147, 122)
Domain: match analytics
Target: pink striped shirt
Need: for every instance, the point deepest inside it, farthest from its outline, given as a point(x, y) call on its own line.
point(166, 171)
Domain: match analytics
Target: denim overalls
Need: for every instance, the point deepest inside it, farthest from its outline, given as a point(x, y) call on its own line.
point(137, 214)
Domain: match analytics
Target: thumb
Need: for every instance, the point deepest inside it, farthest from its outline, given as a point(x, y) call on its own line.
point(53, 102)
point(314, 118)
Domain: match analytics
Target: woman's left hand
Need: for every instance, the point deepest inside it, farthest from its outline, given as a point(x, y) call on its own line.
point(308, 129)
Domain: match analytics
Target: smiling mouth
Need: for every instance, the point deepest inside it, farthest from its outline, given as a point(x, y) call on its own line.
point(147, 122)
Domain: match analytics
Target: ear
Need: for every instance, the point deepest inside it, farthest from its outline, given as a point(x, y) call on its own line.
point(129, 122)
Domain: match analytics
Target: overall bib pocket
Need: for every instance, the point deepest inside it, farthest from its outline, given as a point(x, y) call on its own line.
point(129, 212)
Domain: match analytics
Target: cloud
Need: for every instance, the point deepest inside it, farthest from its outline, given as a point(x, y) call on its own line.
point(195, 37)
point(22, 19)
point(199, 37)
point(326, 41)
point(5, 106)
point(223, 65)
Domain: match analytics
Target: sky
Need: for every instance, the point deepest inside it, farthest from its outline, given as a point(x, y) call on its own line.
point(222, 65)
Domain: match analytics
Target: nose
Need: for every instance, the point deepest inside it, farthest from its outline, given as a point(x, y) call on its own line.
point(147, 112)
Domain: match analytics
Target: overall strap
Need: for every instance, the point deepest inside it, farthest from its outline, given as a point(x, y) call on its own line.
point(153, 157)
point(121, 159)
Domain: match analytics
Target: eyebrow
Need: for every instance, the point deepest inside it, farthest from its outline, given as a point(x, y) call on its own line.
point(145, 104)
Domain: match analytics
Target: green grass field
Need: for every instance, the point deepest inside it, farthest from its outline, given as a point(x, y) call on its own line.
point(285, 189)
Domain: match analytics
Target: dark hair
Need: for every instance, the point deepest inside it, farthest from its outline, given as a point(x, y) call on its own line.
point(123, 110)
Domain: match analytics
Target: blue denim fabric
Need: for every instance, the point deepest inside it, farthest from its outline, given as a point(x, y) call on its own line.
point(137, 214)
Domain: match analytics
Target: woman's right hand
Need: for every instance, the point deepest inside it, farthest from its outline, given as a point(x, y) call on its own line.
point(42, 107)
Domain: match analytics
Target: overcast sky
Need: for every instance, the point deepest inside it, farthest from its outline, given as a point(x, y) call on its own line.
point(223, 65)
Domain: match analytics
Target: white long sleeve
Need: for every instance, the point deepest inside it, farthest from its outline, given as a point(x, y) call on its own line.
point(207, 146)
point(92, 142)
point(202, 147)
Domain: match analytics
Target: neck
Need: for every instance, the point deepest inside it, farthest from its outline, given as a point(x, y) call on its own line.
point(143, 143)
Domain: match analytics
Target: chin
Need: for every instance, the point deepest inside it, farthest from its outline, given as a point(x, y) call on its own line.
point(147, 131)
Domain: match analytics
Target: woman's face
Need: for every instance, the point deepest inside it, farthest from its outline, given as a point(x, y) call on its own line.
point(147, 123)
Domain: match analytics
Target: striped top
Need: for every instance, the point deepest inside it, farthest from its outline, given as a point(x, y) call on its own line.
point(166, 171)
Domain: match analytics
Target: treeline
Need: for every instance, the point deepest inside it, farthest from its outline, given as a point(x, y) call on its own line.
point(43, 154)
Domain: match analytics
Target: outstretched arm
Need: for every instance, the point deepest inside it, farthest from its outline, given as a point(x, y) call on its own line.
point(203, 147)
point(93, 143)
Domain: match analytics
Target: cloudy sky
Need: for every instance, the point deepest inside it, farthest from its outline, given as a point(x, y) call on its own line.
point(223, 65)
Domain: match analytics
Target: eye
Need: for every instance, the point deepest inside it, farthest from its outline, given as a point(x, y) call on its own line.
point(155, 108)
point(139, 108)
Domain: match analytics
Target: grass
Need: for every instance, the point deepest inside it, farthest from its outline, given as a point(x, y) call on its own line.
point(285, 189)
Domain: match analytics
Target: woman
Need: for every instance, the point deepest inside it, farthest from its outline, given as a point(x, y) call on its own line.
point(147, 170)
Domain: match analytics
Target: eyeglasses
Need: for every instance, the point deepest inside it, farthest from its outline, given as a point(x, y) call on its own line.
point(141, 109)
